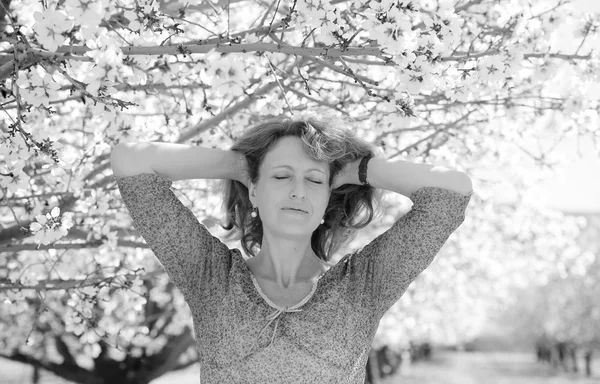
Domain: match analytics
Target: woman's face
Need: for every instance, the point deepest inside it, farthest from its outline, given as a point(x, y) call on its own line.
point(290, 179)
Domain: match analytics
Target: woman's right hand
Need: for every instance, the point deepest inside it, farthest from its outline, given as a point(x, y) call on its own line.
point(242, 171)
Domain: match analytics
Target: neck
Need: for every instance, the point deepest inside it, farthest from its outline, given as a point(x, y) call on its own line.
point(288, 261)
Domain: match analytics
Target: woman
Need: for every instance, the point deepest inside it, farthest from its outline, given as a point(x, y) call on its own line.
point(295, 190)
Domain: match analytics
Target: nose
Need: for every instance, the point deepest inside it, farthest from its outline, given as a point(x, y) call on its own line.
point(298, 191)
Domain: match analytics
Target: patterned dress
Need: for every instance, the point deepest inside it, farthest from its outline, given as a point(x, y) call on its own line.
point(241, 336)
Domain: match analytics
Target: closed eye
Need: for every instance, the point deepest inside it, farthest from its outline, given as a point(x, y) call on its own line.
point(314, 181)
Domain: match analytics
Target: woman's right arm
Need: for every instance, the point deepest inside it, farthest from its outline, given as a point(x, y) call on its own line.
point(177, 161)
point(196, 261)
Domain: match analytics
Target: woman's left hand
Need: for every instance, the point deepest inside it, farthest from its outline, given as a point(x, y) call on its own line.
point(343, 176)
point(337, 181)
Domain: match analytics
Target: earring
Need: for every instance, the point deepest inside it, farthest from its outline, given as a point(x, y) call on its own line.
point(322, 221)
point(253, 213)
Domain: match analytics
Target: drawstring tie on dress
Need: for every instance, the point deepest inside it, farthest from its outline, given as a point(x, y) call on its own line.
point(274, 316)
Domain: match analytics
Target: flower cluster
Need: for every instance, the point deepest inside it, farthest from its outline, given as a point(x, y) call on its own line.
point(12, 155)
point(51, 27)
point(37, 90)
point(87, 15)
point(229, 76)
point(51, 226)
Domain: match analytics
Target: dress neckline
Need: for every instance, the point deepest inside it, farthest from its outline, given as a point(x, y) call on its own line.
point(258, 290)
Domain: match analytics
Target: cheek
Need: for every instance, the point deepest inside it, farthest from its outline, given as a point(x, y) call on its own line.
point(323, 201)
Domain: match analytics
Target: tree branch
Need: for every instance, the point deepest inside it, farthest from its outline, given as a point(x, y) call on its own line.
point(57, 284)
point(70, 372)
point(219, 47)
point(166, 360)
point(90, 244)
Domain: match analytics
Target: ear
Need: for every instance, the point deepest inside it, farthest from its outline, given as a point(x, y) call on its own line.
point(252, 192)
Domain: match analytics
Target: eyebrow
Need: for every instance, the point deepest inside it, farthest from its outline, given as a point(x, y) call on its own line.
point(287, 166)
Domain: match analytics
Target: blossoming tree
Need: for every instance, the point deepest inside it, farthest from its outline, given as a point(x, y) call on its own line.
point(466, 84)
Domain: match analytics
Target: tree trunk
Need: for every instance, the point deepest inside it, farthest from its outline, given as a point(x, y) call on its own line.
point(573, 355)
point(35, 375)
point(554, 361)
point(588, 362)
point(4, 15)
point(373, 375)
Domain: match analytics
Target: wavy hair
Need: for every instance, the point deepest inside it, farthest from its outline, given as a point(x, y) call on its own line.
point(324, 138)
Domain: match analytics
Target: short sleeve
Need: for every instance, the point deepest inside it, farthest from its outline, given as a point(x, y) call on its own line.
point(188, 252)
point(389, 263)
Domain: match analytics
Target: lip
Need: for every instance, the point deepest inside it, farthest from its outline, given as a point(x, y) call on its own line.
point(294, 210)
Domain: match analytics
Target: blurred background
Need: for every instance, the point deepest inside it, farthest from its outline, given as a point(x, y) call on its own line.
point(506, 91)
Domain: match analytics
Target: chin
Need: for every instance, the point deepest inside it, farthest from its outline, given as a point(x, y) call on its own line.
point(298, 229)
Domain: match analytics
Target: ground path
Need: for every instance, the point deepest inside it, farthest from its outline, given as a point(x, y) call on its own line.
point(487, 368)
point(444, 368)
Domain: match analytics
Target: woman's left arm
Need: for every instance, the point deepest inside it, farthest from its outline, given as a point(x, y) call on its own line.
point(405, 177)
point(383, 269)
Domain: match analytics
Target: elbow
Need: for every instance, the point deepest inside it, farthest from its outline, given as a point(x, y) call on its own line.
point(119, 160)
point(128, 159)
point(459, 182)
point(465, 185)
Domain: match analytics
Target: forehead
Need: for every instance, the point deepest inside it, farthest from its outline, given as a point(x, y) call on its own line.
point(289, 151)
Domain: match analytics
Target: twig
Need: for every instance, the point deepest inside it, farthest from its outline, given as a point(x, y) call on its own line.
point(280, 87)
point(57, 284)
